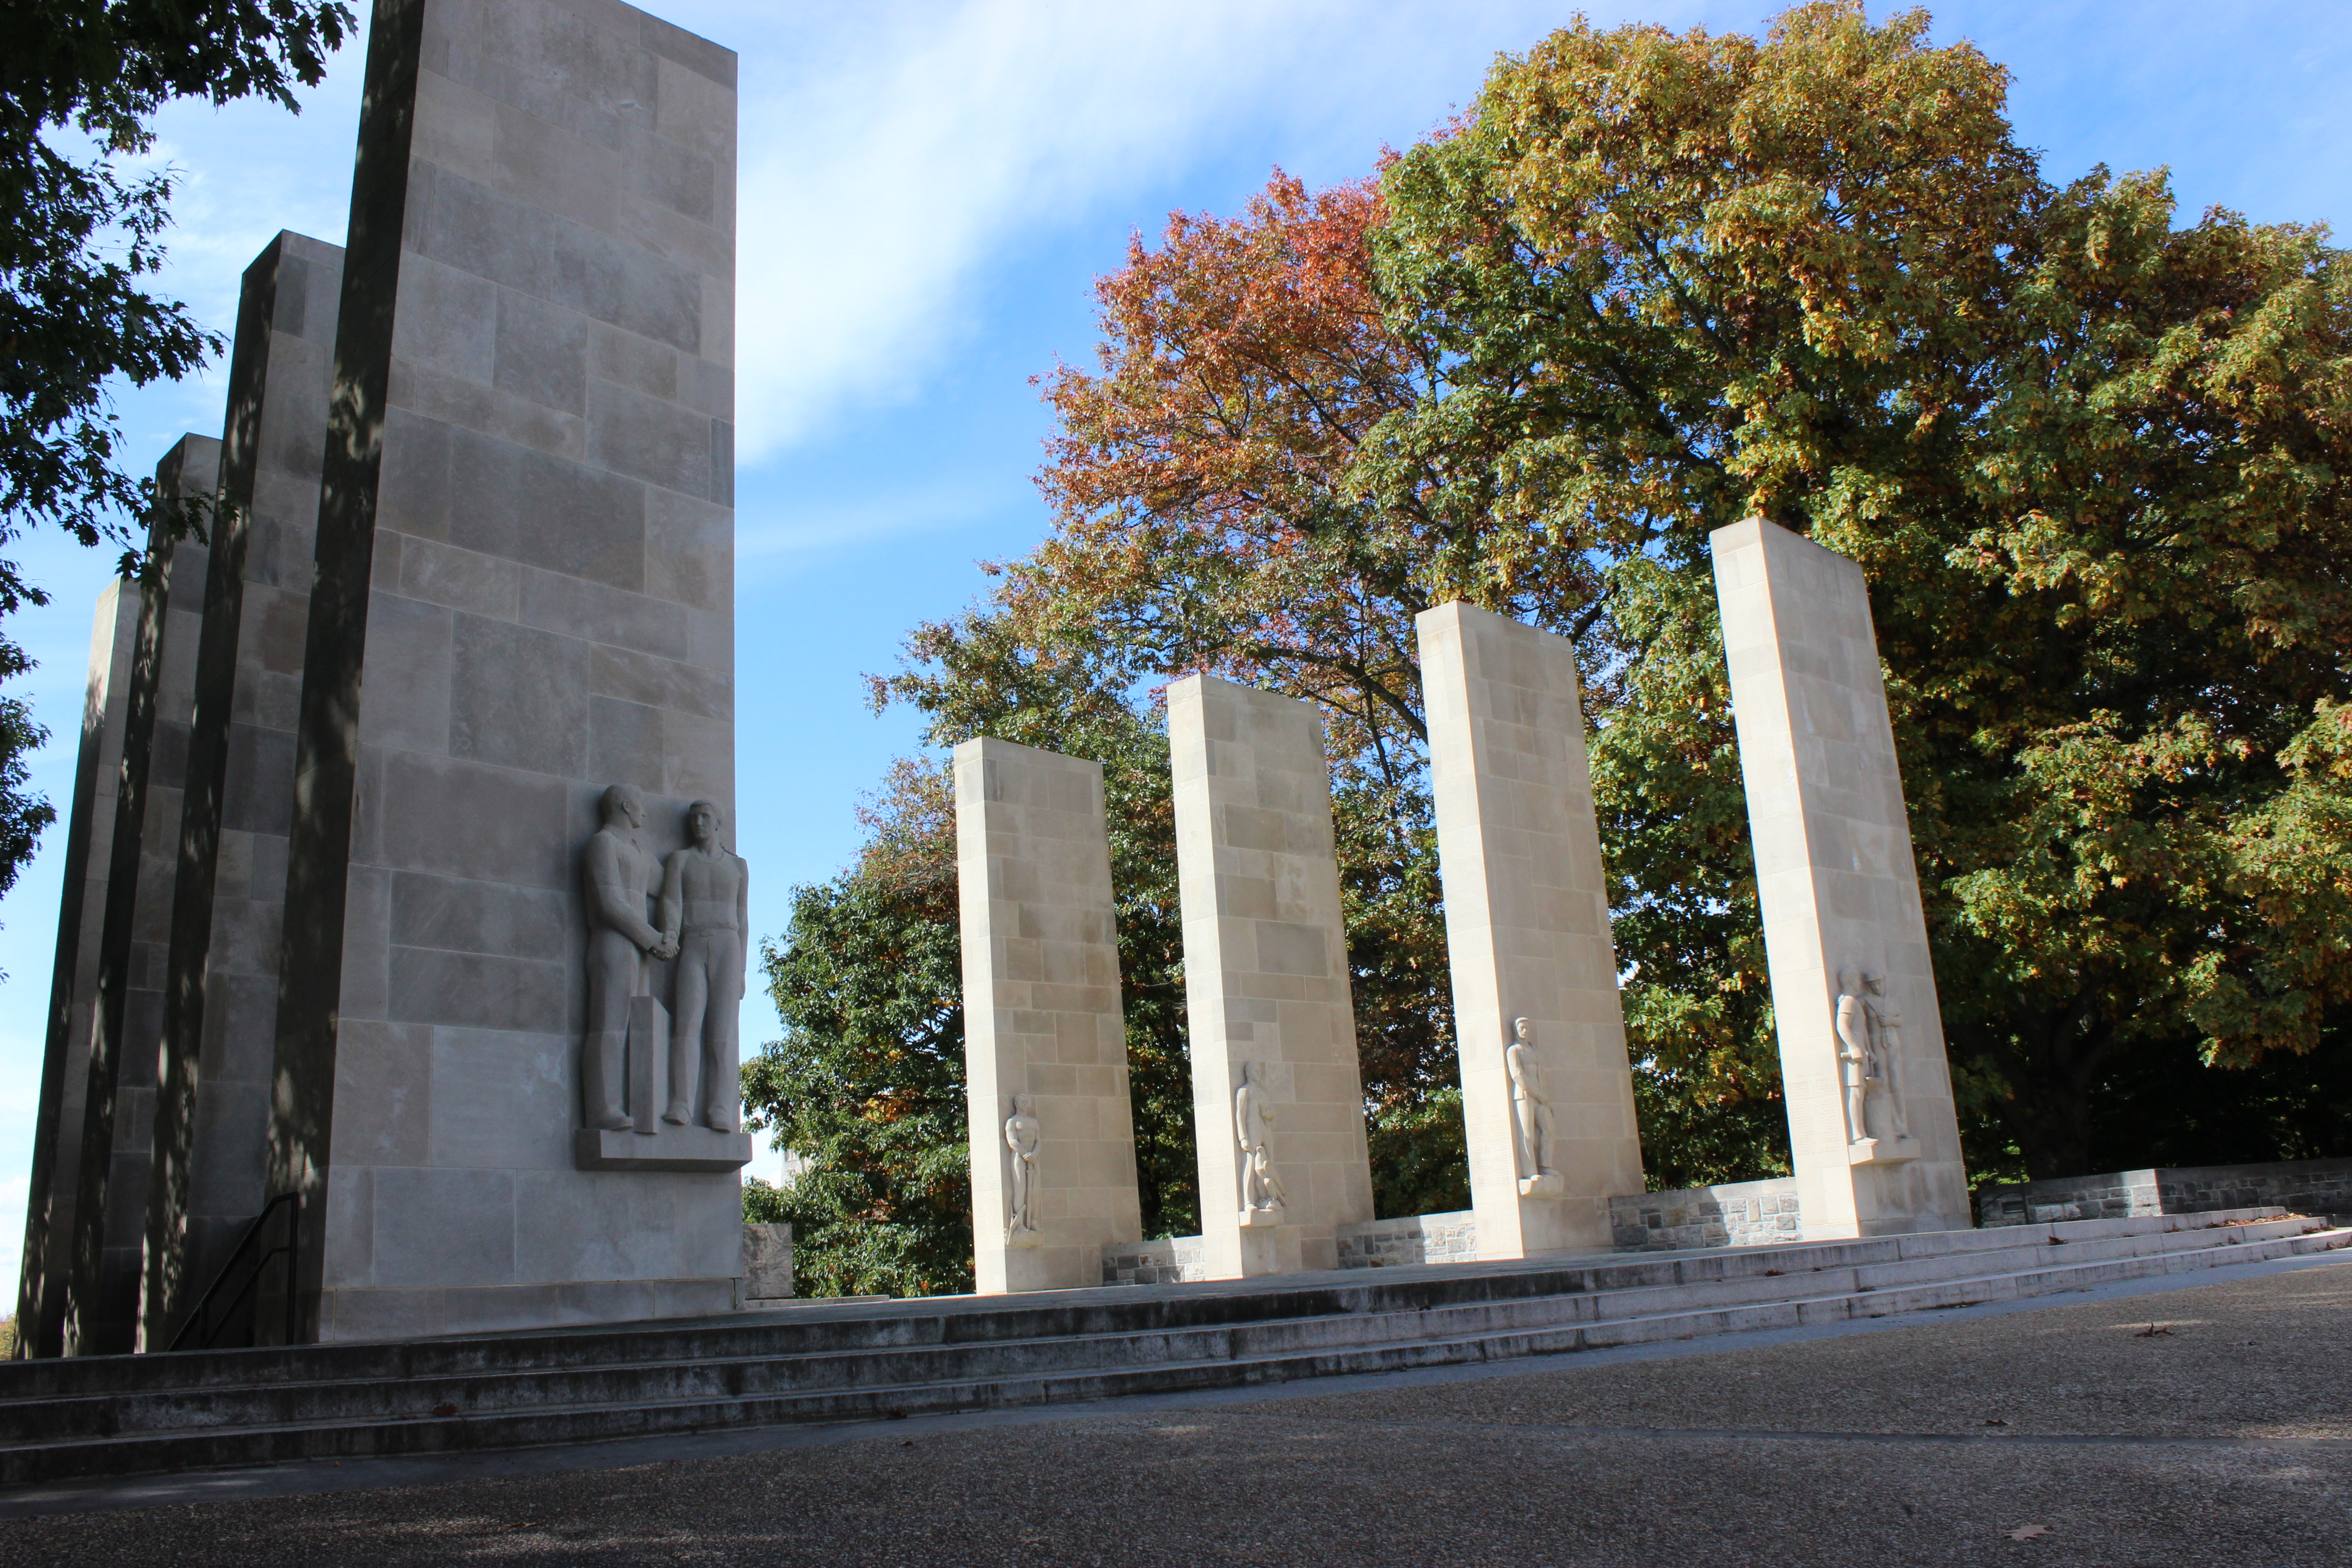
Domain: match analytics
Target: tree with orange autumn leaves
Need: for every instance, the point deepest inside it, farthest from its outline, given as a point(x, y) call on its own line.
point(2092, 459)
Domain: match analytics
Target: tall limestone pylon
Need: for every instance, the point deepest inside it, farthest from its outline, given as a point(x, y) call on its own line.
point(73, 980)
point(212, 1104)
point(1277, 1091)
point(101, 1294)
point(1053, 1133)
point(1547, 1094)
point(1871, 1124)
point(524, 597)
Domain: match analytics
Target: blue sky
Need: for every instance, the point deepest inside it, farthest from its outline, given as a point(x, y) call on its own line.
point(929, 189)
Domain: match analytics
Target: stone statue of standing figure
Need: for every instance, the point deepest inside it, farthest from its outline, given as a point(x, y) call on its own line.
point(1254, 1124)
point(1531, 1114)
point(617, 876)
point(1869, 1051)
point(705, 889)
point(1886, 1046)
point(1022, 1133)
point(1853, 1056)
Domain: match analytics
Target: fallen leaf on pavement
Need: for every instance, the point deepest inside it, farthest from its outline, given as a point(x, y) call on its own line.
point(2028, 1531)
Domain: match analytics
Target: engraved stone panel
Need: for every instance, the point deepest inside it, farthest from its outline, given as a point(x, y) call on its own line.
point(1839, 888)
point(1542, 1040)
point(1265, 981)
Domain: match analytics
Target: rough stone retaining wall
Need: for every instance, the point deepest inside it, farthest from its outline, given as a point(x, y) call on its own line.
point(1743, 1214)
point(1368, 1243)
point(1422, 1238)
point(1166, 1261)
point(767, 1262)
point(2299, 1186)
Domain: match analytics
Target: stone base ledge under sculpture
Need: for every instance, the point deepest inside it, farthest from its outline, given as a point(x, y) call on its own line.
point(1451, 1237)
point(667, 1147)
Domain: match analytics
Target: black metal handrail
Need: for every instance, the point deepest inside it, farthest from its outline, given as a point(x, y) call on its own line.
point(198, 1317)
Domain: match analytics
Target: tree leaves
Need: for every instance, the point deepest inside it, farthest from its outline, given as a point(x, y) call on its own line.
point(79, 239)
point(1649, 283)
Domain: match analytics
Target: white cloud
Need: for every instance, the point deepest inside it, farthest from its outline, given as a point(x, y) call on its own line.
point(782, 539)
point(889, 153)
point(908, 144)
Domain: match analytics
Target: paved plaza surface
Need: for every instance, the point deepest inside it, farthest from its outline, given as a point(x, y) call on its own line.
point(2135, 1425)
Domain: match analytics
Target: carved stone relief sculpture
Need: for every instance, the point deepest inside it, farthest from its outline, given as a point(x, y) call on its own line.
point(701, 923)
point(616, 875)
point(1531, 1116)
point(1853, 1056)
point(1887, 1046)
point(1022, 1134)
point(705, 889)
point(1870, 1068)
point(1253, 1125)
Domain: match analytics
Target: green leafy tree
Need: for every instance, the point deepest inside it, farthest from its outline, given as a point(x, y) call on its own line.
point(23, 815)
point(81, 235)
point(81, 240)
point(2090, 462)
point(993, 684)
point(1199, 526)
point(1652, 283)
point(867, 1088)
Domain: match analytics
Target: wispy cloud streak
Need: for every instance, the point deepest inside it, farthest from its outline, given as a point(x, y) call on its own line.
point(905, 147)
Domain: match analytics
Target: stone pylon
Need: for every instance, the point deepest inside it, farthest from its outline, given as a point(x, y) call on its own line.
point(1550, 1126)
point(523, 606)
point(212, 1097)
point(1053, 1133)
point(1870, 1125)
point(73, 982)
point(101, 1298)
point(1277, 1093)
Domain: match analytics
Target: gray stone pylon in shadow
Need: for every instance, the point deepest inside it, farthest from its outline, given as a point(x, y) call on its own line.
point(220, 994)
point(101, 1296)
point(73, 982)
point(524, 595)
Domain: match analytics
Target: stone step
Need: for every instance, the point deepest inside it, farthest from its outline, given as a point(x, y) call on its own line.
point(1974, 1290)
point(808, 1329)
point(221, 1426)
point(739, 1370)
point(503, 1429)
point(1549, 1296)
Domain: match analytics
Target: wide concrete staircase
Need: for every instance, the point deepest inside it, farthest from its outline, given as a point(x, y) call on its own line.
point(120, 1414)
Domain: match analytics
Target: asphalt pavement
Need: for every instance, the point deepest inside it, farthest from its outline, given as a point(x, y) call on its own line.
point(2205, 1424)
